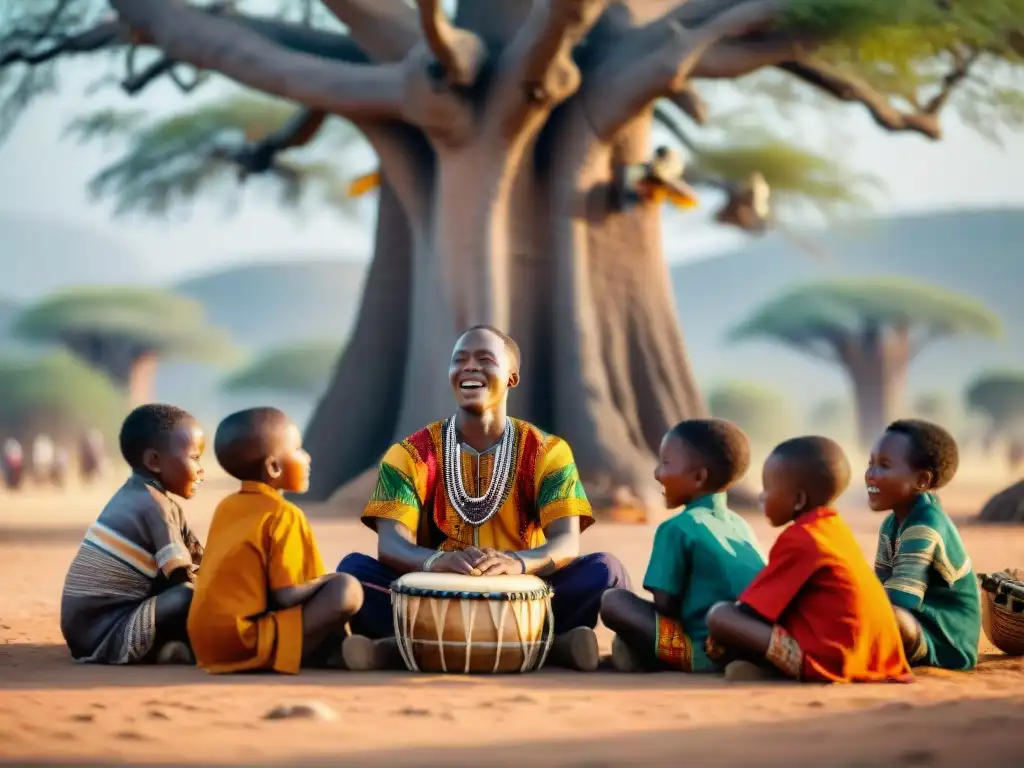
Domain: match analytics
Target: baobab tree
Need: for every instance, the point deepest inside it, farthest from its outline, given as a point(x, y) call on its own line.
point(873, 329)
point(125, 332)
point(501, 130)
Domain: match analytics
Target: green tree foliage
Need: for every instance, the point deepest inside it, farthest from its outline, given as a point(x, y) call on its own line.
point(56, 394)
point(300, 369)
point(168, 162)
point(872, 328)
point(149, 320)
point(999, 395)
point(764, 414)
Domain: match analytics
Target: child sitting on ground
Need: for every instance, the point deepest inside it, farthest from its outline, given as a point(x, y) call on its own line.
point(127, 593)
point(262, 600)
point(921, 558)
point(703, 555)
point(816, 612)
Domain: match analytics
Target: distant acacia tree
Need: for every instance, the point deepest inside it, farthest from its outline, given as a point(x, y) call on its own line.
point(764, 414)
point(301, 369)
point(124, 332)
point(939, 407)
point(503, 129)
point(873, 329)
point(833, 417)
point(999, 396)
point(58, 395)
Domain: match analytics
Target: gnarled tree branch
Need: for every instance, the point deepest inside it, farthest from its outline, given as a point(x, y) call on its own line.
point(849, 88)
point(101, 36)
point(536, 71)
point(261, 156)
point(460, 54)
point(657, 60)
point(385, 29)
point(209, 42)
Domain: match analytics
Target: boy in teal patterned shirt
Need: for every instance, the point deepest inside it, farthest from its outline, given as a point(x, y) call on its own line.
point(701, 556)
point(921, 558)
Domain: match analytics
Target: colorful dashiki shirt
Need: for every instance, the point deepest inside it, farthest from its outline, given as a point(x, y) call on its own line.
point(926, 570)
point(543, 486)
point(108, 606)
point(704, 555)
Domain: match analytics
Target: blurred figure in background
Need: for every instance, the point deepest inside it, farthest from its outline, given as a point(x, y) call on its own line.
point(12, 463)
point(59, 467)
point(92, 456)
point(42, 458)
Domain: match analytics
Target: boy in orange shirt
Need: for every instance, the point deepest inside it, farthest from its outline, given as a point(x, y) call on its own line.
point(262, 600)
point(817, 612)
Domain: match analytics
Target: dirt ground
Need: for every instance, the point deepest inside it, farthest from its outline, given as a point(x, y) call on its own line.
point(53, 711)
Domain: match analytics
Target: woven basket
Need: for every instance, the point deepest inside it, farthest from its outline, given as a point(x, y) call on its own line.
point(1003, 610)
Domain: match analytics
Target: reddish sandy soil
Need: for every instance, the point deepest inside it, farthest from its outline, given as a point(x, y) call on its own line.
point(53, 711)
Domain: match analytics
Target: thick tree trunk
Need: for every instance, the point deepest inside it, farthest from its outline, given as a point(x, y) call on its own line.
point(129, 366)
point(877, 364)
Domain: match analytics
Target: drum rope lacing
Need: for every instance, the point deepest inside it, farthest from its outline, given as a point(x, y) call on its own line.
point(477, 510)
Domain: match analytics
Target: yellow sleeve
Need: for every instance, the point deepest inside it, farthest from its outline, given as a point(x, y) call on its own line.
point(294, 557)
point(399, 492)
point(558, 487)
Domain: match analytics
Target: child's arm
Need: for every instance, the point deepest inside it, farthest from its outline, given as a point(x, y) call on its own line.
point(666, 572)
point(163, 522)
point(289, 597)
point(910, 566)
point(294, 568)
point(666, 603)
point(792, 562)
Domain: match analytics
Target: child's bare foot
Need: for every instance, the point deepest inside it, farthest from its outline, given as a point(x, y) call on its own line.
point(745, 671)
point(622, 657)
point(576, 649)
point(175, 652)
point(361, 654)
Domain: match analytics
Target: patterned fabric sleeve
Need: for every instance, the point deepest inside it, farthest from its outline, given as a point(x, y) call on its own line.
point(294, 557)
point(559, 489)
point(913, 558)
point(164, 525)
point(883, 554)
point(793, 560)
point(666, 571)
point(399, 493)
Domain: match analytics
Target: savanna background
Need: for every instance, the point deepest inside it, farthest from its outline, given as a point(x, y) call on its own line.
point(136, 267)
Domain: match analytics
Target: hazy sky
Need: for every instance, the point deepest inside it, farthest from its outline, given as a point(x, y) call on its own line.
point(42, 174)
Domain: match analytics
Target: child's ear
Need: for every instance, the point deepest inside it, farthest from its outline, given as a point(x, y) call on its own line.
point(513, 380)
point(924, 480)
point(800, 502)
point(700, 475)
point(151, 460)
point(272, 467)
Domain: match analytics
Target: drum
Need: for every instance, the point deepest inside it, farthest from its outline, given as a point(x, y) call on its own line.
point(446, 622)
point(1002, 607)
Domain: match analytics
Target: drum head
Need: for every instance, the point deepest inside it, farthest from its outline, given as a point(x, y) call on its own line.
point(472, 587)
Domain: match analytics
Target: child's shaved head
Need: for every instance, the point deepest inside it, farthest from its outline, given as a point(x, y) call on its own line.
point(246, 439)
point(818, 465)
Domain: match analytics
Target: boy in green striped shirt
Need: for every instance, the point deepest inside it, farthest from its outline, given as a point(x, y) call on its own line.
point(921, 558)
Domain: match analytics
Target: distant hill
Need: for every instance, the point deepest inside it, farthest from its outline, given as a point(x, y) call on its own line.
point(268, 303)
point(42, 255)
point(277, 302)
point(980, 253)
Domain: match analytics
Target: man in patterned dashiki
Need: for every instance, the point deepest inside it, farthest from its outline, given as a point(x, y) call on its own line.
point(127, 593)
point(704, 555)
point(481, 494)
point(921, 558)
point(816, 613)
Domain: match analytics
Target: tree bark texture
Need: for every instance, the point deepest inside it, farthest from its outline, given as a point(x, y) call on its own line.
point(877, 361)
point(499, 136)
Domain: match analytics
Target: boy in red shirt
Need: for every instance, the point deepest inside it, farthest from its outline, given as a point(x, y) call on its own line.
point(817, 612)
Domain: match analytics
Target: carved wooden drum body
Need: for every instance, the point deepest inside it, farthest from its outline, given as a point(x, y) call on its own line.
point(472, 624)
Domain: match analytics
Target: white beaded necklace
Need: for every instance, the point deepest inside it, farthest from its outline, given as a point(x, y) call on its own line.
point(477, 510)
